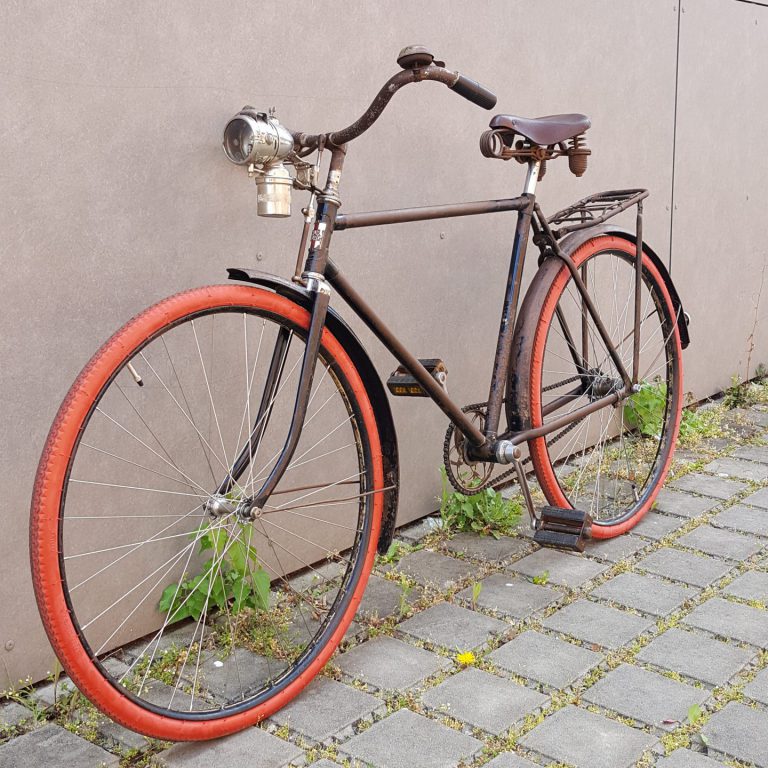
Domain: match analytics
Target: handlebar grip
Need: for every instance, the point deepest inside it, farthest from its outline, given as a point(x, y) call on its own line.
point(474, 92)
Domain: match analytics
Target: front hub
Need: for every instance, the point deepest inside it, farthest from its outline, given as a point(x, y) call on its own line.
point(221, 506)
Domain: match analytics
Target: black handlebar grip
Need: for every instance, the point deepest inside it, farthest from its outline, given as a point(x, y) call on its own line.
point(474, 92)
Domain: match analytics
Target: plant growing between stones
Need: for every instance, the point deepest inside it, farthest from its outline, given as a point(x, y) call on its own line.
point(477, 588)
point(644, 411)
point(742, 394)
point(487, 512)
point(233, 578)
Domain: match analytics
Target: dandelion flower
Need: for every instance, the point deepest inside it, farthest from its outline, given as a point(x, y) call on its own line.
point(465, 659)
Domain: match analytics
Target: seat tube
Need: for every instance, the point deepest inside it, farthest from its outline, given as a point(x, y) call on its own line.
point(509, 310)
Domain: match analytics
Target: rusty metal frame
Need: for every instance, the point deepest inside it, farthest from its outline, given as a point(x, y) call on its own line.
point(320, 273)
point(530, 217)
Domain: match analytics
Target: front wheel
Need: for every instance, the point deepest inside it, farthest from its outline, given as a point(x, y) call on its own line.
point(180, 619)
point(612, 462)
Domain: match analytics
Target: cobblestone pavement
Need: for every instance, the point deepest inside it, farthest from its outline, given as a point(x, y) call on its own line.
point(649, 650)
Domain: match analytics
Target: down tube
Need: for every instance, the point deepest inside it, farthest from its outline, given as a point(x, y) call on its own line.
point(508, 315)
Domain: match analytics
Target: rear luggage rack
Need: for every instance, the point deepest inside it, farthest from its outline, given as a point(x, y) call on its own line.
point(594, 209)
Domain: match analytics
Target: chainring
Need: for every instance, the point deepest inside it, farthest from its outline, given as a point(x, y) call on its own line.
point(472, 480)
point(467, 477)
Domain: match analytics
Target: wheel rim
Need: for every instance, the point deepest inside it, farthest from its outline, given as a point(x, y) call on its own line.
point(223, 660)
point(612, 462)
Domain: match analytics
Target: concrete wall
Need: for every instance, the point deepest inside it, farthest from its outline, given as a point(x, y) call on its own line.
point(114, 191)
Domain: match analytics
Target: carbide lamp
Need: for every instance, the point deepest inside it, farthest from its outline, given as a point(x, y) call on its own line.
point(259, 140)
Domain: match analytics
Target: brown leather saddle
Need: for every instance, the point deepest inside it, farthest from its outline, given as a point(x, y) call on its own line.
point(544, 131)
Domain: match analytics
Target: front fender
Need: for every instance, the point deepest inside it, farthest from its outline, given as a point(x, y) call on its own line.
point(571, 242)
point(379, 400)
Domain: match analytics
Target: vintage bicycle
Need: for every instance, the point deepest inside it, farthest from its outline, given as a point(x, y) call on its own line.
point(219, 478)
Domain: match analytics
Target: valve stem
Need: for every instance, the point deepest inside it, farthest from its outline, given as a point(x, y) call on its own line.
point(135, 375)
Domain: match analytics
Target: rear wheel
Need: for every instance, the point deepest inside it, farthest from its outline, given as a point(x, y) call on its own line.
point(613, 462)
point(177, 623)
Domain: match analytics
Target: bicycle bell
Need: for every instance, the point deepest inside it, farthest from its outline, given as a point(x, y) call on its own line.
point(259, 140)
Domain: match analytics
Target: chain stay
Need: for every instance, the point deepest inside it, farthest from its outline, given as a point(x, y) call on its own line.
point(497, 481)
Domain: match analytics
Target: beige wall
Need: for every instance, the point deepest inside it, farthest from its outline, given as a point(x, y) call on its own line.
point(114, 191)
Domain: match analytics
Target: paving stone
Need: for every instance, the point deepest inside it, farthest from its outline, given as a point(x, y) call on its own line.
point(302, 627)
point(12, 714)
point(698, 570)
point(390, 664)
point(645, 696)
point(721, 543)
point(758, 498)
point(452, 626)
point(757, 689)
point(565, 570)
point(512, 596)
point(597, 624)
point(384, 598)
point(644, 593)
point(707, 485)
point(164, 695)
point(684, 758)
point(412, 534)
point(718, 444)
point(739, 732)
point(321, 576)
point(732, 620)
point(742, 470)
point(405, 740)
point(655, 526)
point(752, 585)
point(545, 659)
point(486, 548)
point(115, 667)
point(696, 656)
point(741, 518)
point(54, 747)
point(427, 567)
point(324, 763)
point(615, 549)
point(683, 504)
point(510, 760)
point(483, 700)
point(753, 453)
point(327, 709)
point(45, 696)
point(240, 749)
point(224, 678)
point(115, 735)
point(753, 415)
point(179, 636)
point(586, 740)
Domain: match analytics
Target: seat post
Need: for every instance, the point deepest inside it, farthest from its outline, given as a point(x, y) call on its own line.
point(532, 177)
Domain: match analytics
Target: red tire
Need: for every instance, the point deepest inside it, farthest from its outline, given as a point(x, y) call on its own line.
point(49, 578)
point(552, 288)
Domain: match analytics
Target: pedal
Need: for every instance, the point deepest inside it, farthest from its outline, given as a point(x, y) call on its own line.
point(403, 384)
point(563, 528)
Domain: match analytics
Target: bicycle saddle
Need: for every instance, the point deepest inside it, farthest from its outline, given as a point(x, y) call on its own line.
point(544, 130)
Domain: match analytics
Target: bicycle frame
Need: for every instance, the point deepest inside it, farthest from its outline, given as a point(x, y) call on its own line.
point(320, 274)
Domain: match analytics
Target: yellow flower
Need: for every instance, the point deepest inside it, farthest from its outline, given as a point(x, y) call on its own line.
point(465, 659)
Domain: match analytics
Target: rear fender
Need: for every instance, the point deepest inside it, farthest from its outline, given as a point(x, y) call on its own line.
point(379, 400)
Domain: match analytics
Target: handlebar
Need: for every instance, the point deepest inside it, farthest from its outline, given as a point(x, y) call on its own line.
point(474, 92)
point(418, 64)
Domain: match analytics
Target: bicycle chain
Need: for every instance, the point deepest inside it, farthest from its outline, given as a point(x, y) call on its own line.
point(508, 473)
